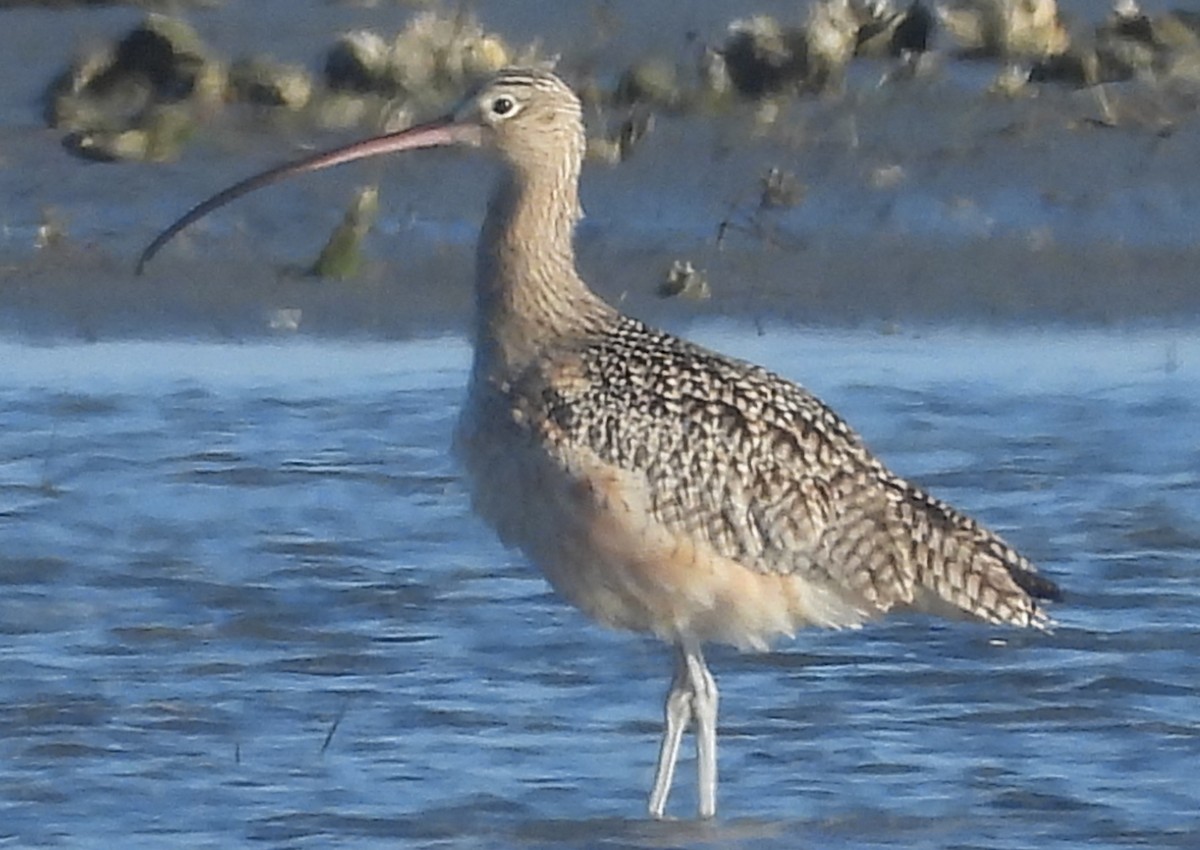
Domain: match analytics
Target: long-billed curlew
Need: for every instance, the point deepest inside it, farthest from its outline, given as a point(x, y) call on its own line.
point(659, 486)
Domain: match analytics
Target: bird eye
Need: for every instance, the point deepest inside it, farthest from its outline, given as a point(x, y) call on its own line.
point(503, 105)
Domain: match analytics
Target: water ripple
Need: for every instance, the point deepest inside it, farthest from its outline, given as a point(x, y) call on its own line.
point(244, 601)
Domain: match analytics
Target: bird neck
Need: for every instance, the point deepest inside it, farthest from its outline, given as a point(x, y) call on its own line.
point(528, 293)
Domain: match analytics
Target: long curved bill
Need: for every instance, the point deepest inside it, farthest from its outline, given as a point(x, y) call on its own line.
point(444, 131)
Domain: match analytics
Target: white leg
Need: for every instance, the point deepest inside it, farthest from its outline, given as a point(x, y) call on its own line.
point(678, 715)
point(704, 710)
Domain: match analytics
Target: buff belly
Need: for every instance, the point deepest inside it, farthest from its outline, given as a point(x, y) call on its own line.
point(589, 528)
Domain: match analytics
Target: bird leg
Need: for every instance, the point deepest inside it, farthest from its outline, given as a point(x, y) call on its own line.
point(692, 696)
point(704, 711)
point(678, 715)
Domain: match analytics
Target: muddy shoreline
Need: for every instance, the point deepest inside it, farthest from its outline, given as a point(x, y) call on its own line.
point(921, 202)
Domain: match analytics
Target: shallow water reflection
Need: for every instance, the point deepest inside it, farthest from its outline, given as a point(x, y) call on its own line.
point(243, 601)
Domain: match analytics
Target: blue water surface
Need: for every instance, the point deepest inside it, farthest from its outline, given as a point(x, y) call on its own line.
point(244, 603)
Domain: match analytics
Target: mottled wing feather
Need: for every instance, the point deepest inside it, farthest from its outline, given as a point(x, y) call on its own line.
point(770, 477)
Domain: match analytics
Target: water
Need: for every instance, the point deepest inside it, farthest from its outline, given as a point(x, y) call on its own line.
point(244, 603)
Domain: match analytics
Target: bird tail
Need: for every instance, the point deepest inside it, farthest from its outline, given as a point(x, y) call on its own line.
point(956, 562)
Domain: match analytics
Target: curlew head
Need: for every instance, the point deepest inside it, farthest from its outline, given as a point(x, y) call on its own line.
point(529, 116)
